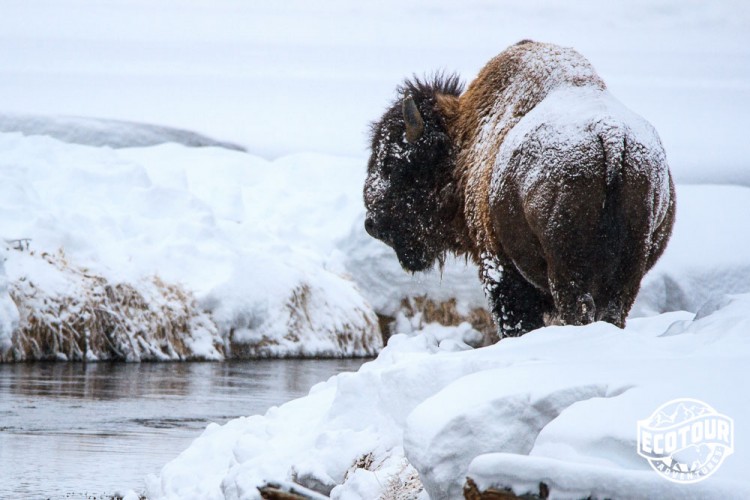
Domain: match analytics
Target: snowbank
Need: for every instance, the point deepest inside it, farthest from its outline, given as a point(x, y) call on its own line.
point(238, 244)
point(100, 132)
point(272, 309)
point(558, 405)
point(8, 311)
point(705, 258)
point(70, 313)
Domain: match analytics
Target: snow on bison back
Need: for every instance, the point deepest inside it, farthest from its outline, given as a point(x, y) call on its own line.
point(559, 193)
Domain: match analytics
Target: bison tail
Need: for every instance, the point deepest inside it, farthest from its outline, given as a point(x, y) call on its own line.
point(612, 221)
point(620, 250)
point(612, 138)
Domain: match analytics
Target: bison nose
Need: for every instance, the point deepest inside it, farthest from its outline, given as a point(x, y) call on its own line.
point(370, 227)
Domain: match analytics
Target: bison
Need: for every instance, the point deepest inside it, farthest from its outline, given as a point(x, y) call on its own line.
point(561, 195)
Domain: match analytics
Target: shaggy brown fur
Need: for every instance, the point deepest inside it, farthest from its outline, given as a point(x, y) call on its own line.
point(560, 194)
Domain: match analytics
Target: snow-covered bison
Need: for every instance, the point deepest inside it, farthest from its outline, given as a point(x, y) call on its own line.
point(559, 193)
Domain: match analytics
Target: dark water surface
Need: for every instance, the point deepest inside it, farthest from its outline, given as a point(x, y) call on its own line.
point(69, 431)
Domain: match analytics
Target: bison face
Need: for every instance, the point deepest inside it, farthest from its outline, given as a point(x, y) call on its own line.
point(407, 179)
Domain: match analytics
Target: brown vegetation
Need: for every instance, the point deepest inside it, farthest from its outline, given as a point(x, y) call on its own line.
point(93, 318)
point(471, 492)
point(423, 310)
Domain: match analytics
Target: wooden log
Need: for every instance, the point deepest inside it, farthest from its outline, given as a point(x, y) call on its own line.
point(278, 490)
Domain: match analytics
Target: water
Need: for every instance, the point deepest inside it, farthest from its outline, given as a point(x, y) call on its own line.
point(68, 431)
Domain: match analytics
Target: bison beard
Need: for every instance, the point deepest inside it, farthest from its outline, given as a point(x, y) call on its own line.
point(561, 195)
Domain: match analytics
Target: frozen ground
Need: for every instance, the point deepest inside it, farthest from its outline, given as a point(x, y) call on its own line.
point(270, 242)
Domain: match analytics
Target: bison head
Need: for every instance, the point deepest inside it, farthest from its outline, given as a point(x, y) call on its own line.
point(409, 192)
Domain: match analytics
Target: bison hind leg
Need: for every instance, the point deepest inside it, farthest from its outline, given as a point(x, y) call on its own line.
point(585, 309)
point(516, 305)
point(614, 312)
point(572, 308)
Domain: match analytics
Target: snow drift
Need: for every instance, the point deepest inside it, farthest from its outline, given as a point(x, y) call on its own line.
point(105, 133)
point(172, 252)
point(558, 405)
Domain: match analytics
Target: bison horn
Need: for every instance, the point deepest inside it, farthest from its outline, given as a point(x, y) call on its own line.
point(412, 119)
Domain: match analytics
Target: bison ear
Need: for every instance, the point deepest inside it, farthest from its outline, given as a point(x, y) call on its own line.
point(412, 119)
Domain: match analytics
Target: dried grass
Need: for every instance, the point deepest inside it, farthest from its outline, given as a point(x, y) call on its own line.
point(96, 319)
point(421, 310)
point(405, 485)
point(306, 318)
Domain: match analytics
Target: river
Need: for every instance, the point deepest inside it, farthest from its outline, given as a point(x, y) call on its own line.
point(69, 431)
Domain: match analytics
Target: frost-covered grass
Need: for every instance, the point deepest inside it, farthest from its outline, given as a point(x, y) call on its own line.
point(240, 246)
point(70, 313)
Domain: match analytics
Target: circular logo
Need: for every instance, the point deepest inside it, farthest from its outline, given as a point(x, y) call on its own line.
point(685, 440)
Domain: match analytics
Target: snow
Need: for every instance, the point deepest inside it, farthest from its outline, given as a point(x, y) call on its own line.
point(558, 405)
point(295, 77)
point(248, 235)
point(247, 238)
point(100, 132)
point(703, 260)
point(8, 310)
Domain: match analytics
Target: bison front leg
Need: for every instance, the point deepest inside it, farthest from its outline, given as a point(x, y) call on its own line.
point(516, 305)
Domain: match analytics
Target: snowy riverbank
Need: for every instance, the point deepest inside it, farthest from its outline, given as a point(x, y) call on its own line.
point(561, 403)
point(171, 252)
